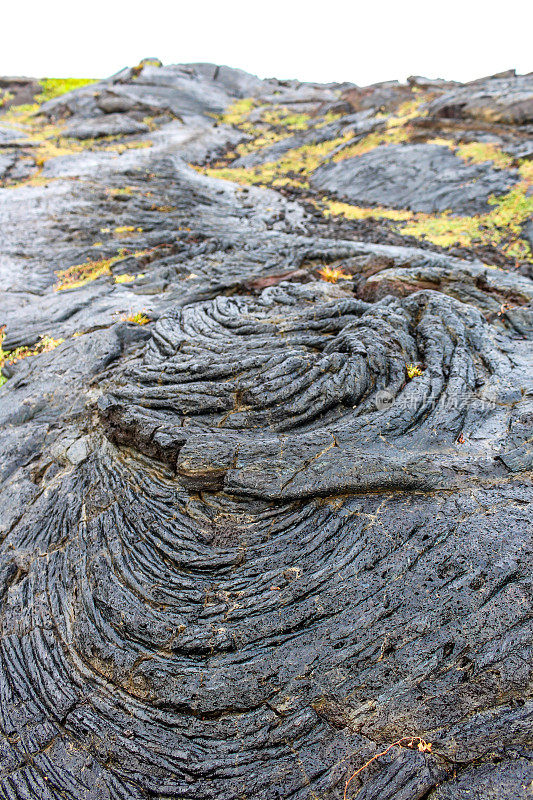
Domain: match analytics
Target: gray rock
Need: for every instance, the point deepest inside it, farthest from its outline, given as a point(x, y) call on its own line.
point(78, 451)
point(507, 99)
point(243, 548)
point(421, 177)
point(108, 125)
point(528, 233)
point(20, 91)
point(115, 103)
point(10, 137)
point(6, 162)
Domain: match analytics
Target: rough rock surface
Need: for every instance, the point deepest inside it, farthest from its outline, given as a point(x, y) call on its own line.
point(265, 506)
point(503, 98)
point(108, 125)
point(422, 177)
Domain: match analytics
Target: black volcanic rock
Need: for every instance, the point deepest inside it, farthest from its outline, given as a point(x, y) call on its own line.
point(108, 125)
point(180, 89)
point(265, 507)
point(16, 91)
point(507, 99)
point(422, 177)
point(6, 162)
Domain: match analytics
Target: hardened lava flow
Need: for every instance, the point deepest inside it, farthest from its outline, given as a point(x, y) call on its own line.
point(265, 498)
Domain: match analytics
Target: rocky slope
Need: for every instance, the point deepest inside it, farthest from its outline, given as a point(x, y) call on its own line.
point(267, 423)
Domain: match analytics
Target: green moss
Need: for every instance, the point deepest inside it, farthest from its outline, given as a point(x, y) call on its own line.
point(238, 112)
point(443, 229)
point(273, 124)
point(501, 228)
point(55, 87)
point(481, 152)
point(48, 136)
point(293, 167)
point(395, 131)
point(51, 143)
point(121, 191)
point(280, 116)
point(139, 318)
point(525, 168)
point(44, 345)
point(335, 208)
point(17, 116)
point(81, 274)
point(331, 116)
point(394, 135)
point(126, 229)
point(278, 122)
point(261, 141)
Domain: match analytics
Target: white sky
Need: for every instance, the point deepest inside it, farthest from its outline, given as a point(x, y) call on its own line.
point(362, 42)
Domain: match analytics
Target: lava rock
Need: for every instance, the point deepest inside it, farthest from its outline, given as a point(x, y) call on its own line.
point(260, 532)
point(422, 177)
point(6, 162)
point(507, 99)
point(108, 125)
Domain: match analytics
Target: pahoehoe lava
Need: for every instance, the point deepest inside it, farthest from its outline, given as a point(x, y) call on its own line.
point(265, 505)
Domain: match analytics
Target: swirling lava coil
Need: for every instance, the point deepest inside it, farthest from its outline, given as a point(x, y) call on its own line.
point(277, 558)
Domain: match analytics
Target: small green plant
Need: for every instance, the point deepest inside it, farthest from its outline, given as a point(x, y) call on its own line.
point(44, 345)
point(413, 371)
point(333, 274)
point(139, 318)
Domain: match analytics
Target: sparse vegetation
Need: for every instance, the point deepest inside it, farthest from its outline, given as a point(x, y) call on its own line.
point(336, 208)
point(48, 138)
point(480, 152)
point(413, 371)
point(44, 345)
point(140, 318)
point(237, 114)
point(81, 274)
point(55, 87)
point(292, 168)
point(272, 489)
point(500, 228)
point(333, 274)
point(126, 229)
point(5, 97)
